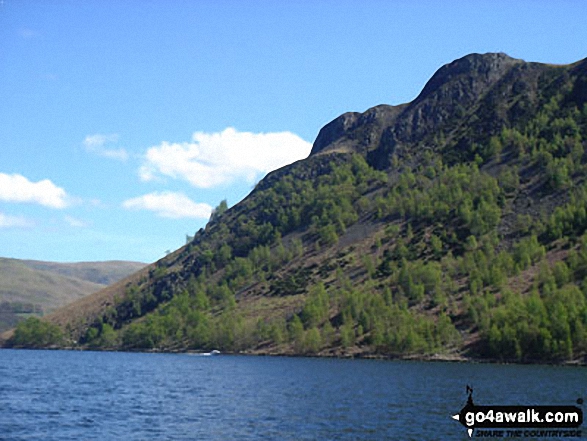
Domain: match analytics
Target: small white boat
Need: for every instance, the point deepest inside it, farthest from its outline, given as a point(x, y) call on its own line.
point(206, 354)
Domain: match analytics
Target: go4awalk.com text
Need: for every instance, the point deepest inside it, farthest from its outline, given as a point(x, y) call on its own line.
point(520, 421)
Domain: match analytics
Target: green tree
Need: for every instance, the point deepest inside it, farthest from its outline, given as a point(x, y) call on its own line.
point(219, 210)
point(296, 332)
point(312, 340)
point(347, 335)
point(36, 333)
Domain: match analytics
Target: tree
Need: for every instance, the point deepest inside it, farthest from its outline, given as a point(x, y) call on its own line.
point(436, 246)
point(218, 211)
point(328, 235)
point(312, 340)
point(296, 332)
point(347, 335)
point(36, 333)
point(108, 337)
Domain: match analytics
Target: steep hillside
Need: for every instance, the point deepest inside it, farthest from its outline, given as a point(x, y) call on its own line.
point(452, 226)
point(35, 287)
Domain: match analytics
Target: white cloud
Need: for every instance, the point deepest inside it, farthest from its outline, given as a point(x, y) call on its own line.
point(7, 221)
point(170, 205)
point(213, 159)
point(96, 144)
point(17, 188)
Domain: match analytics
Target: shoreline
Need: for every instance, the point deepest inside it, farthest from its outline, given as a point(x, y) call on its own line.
point(433, 358)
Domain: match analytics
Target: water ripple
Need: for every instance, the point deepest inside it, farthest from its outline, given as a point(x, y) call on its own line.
point(54, 395)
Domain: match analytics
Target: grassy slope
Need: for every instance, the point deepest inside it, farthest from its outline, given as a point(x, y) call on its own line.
point(46, 286)
point(102, 273)
point(53, 284)
point(48, 289)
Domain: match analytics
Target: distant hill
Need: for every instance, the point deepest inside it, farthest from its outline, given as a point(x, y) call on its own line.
point(453, 226)
point(102, 273)
point(36, 287)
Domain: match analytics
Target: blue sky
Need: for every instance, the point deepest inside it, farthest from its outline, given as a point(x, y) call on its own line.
point(122, 123)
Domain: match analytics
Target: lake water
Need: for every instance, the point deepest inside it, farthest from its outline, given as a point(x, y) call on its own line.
point(60, 395)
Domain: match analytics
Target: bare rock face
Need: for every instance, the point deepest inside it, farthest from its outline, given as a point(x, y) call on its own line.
point(355, 132)
point(471, 98)
point(450, 91)
point(467, 78)
point(335, 131)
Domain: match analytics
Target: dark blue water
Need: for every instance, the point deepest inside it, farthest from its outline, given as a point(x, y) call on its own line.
point(55, 395)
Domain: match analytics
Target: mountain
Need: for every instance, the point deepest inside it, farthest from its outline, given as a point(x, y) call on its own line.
point(452, 227)
point(36, 287)
point(102, 273)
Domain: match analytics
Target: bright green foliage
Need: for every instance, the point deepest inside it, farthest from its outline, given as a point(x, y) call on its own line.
point(317, 307)
point(36, 333)
point(527, 252)
point(569, 219)
point(460, 197)
point(312, 341)
point(347, 335)
point(296, 332)
point(547, 324)
point(537, 327)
